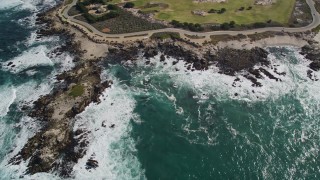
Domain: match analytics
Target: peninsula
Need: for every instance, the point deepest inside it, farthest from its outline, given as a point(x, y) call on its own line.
point(201, 33)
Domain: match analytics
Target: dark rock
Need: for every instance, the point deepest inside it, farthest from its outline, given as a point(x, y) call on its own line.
point(230, 61)
point(10, 63)
point(315, 65)
point(162, 58)
point(255, 72)
point(150, 53)
point(104, 124)
point(268, 74)
point(254, 81)
point(92, 164)
point(175, 62)
point(312, 76)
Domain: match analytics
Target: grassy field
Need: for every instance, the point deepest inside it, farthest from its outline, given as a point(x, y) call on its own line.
point(181, 10)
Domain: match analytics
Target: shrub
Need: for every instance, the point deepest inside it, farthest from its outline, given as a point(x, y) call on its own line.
point(225, 26)
point(76, 91)
point(222, 10)
point(112, 7)
point(129, 5)
point(186, 25)
point(259, 25)
point(213, 11)
point(232, 24)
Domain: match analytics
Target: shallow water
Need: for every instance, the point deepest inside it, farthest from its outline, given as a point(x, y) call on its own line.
point(169, 124)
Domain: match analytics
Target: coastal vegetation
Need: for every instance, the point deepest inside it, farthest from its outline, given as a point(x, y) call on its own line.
point(77, 90)
point(301, 15)
point(189, 26)
point(113, 11)
point(125, 22)
point(243, 15)
point(240, 11)
point(129, 5)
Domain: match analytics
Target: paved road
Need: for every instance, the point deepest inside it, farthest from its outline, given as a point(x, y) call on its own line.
point(117, 37)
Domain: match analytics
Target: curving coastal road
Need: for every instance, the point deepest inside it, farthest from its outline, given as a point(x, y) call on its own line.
point(95, 34)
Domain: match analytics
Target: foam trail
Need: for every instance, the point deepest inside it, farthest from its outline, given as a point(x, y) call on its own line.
point(37, 57)
point(7, 96)
point(32, 5)
point(28, 127)
point(25, 94)
point(210, 82)
point(113, 148)
point(33, 57)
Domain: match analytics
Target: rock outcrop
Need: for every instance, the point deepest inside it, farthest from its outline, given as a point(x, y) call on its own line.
point(57, 110)
point(313, 54)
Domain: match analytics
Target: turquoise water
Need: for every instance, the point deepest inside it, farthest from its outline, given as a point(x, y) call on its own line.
point(169, 124)
point(219, 136)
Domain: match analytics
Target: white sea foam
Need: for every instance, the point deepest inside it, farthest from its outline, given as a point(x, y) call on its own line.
point(210, 82)
point(8, 171)
point(34, 57)
point(113, 148)
point(25, 94)
point(26, 4)
point(7, 96)
point(38, 57)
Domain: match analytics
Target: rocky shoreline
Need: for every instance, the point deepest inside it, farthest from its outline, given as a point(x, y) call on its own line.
point(56, 147)
point(229, 61)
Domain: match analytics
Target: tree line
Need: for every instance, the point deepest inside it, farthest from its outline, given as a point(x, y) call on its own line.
point(113, 11)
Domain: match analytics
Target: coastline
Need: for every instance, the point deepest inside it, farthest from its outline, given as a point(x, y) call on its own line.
point(58, 133)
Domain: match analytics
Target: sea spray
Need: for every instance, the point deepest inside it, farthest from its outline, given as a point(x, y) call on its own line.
point(30, 75)
point(109, 142)
point(193, 125)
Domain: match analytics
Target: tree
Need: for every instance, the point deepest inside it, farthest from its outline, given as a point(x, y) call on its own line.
point(232, 24)
point(225, 26)
point(112, 7)
point(129, 5)
point(222, 10)
point(212, 11)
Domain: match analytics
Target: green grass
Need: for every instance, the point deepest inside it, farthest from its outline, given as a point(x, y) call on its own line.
point(66, 2)
point(181, 10)
point(113, 1)
point(316, 29)
point(76, 91)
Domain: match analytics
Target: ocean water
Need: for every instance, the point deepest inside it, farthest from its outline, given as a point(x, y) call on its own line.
point(170, 123)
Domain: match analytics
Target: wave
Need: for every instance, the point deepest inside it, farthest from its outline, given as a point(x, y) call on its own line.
point(33, 57)
point(33, 5)
point(112, 147)
point(37, 56)
point(7, 96)
point(270, 130)
point(19, 132)
point(278, 121)
point(212, 83)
